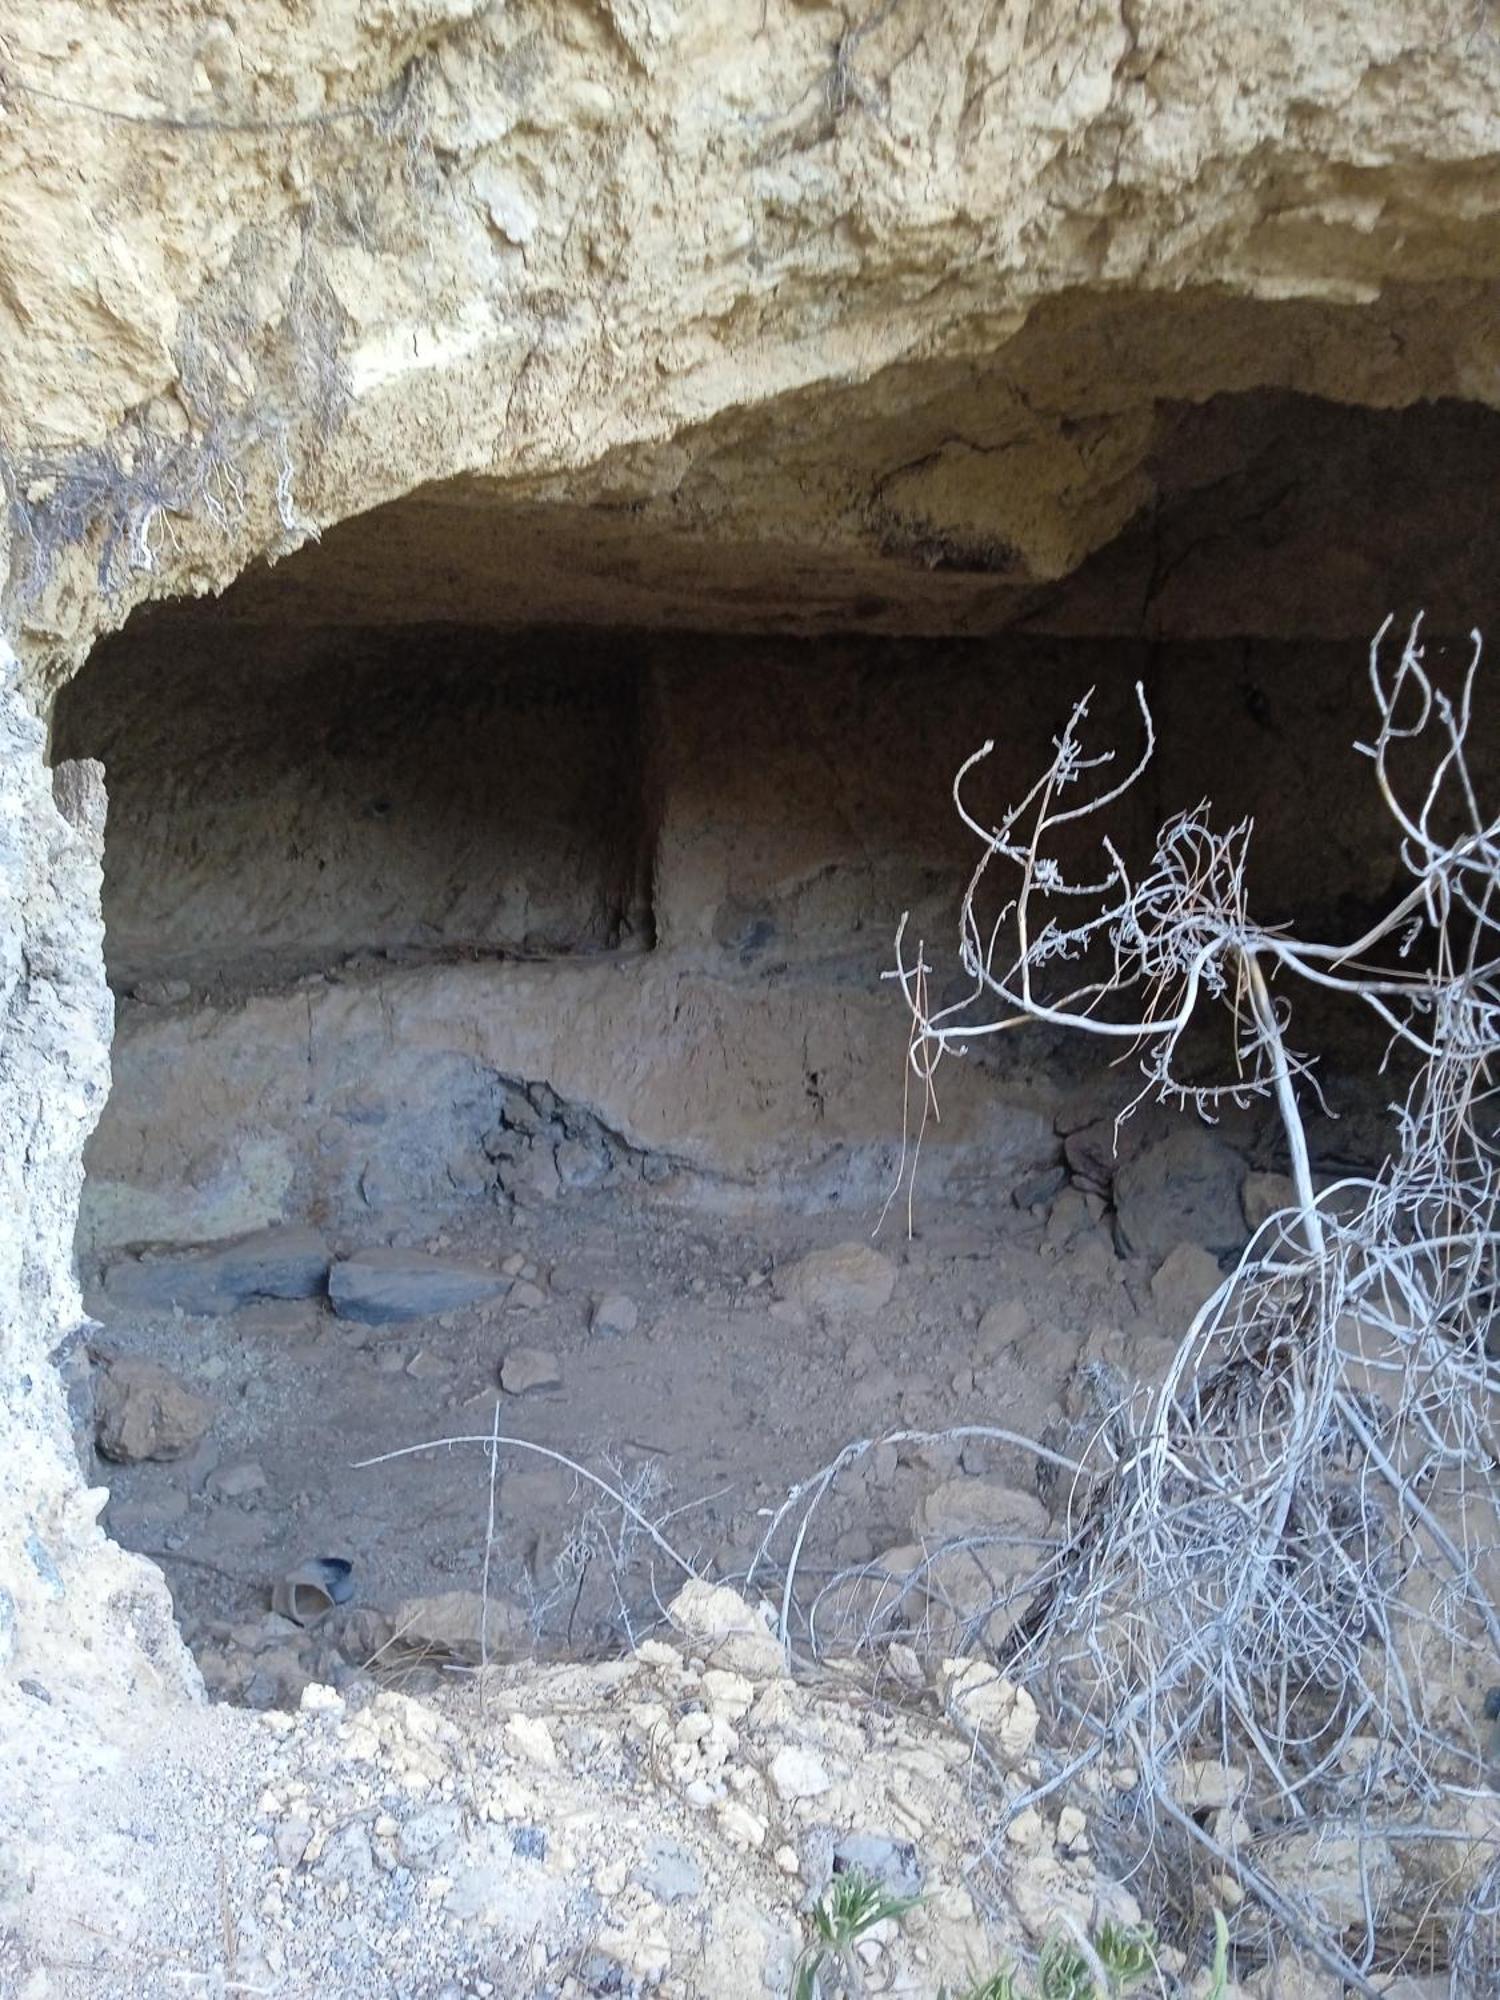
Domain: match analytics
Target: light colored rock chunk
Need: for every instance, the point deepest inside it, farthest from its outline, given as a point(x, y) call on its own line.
point(798, 1773)
point(614, 1316)
point(727, 1631)
point(978, 1696)
point(849, 1278)
point(527, 1368)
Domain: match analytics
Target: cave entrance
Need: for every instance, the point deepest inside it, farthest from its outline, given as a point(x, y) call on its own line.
point(496, 904)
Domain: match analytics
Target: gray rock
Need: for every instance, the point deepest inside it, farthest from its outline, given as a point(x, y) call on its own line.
point(668, 1872)
point(894, 1864)
point(144, 1412)
point(528, 1368)
point(385, 1287)
point(614, 1316)
point(271, 1264)
point(347, 1855)
point(580, 1164)
point(430, 1839)
point(1183, 1189)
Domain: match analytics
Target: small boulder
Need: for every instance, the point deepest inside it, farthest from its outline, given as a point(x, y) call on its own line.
point(1265, 1195)
point(977, 1506)
point(271, 1264)
point(142, 1411)
point(1183, 1188)
point(849, 1278)
point(1186, 1276)
point(614, 1316)
point(460, 1625)
point(528, 1368)
point(385, 1287)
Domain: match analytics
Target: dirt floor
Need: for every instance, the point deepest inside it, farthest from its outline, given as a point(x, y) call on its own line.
point(760, 1348)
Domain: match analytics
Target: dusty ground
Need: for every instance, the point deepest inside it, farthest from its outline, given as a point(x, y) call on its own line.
point(731, 1387)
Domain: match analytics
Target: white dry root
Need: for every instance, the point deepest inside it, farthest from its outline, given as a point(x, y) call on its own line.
point(1288, 1562)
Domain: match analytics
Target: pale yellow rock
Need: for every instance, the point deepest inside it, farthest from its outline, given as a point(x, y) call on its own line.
point(727, 1631)
point(979, 1696)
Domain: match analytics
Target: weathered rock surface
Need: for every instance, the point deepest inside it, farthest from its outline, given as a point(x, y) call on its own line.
point(795, 378)
point(270, 1264)
point(384, 1287)
point(144, 1411)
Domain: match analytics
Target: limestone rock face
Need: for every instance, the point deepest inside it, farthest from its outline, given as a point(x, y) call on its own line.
point(891, 322)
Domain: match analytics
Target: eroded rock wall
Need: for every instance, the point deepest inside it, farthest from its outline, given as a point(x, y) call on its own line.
point(86, 1624)
point(898, 294)
point(365, 884)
